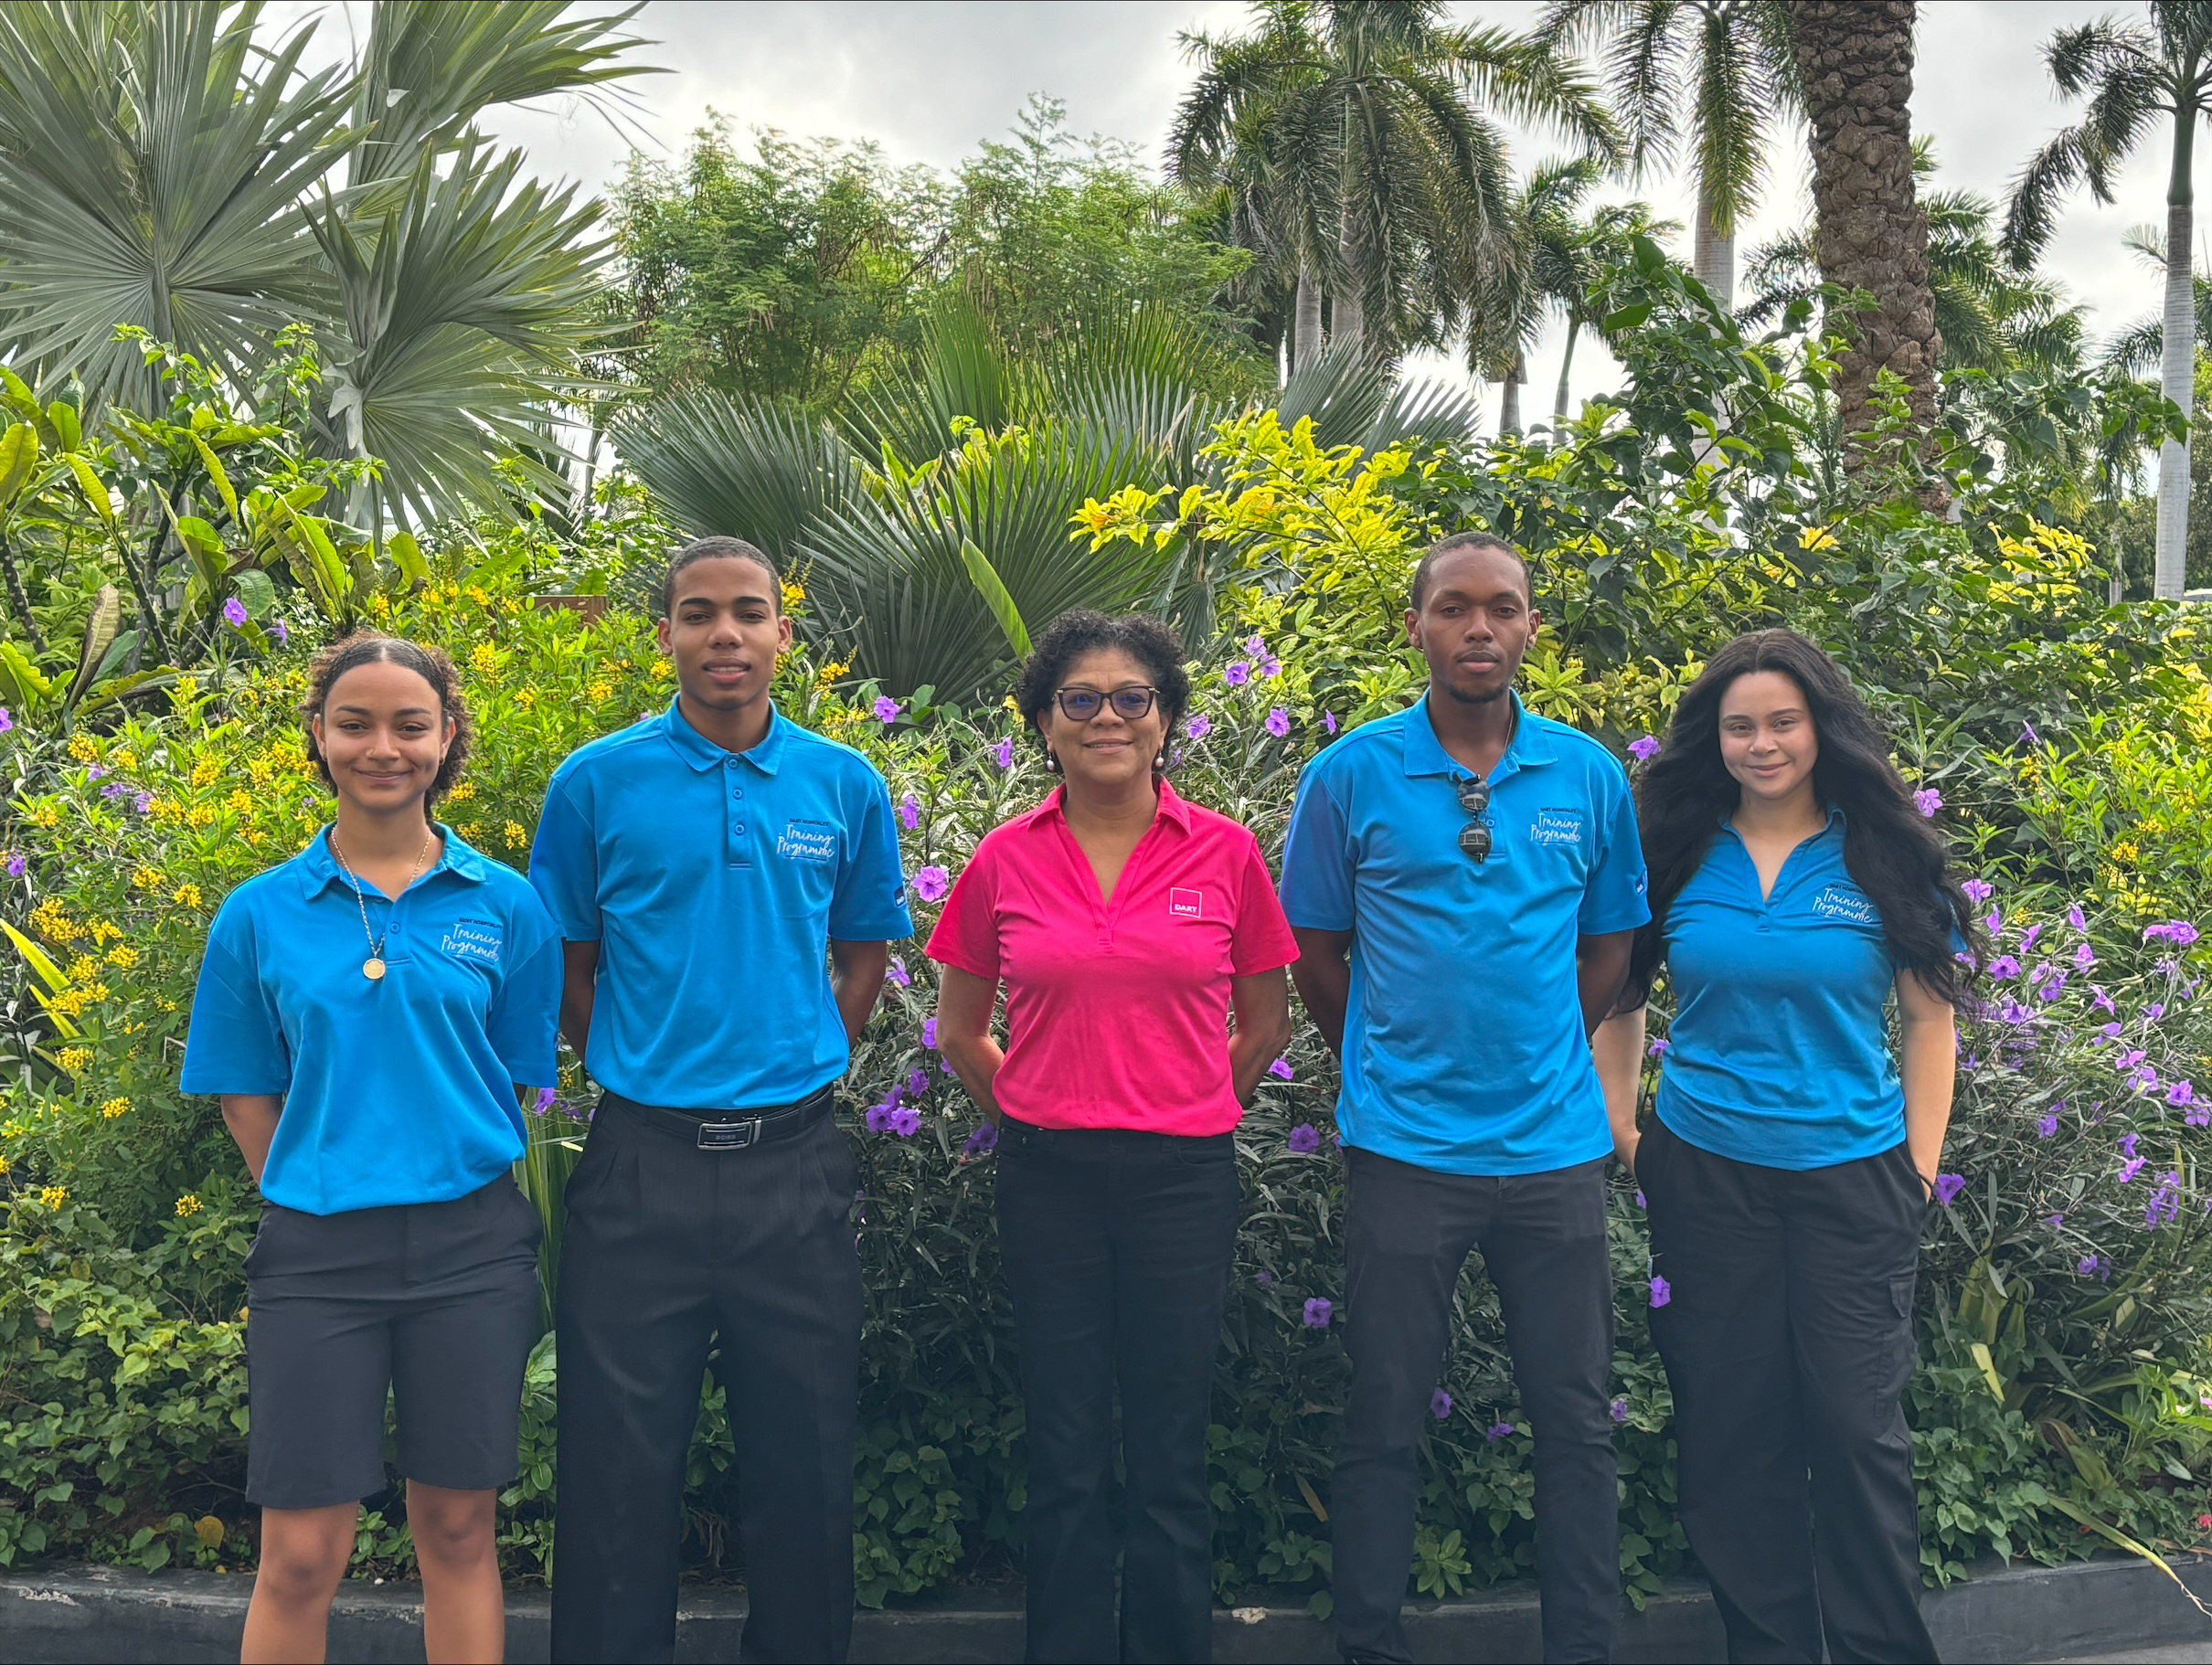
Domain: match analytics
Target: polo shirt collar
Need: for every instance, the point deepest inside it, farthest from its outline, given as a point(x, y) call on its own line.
point(1172, 807)
point(1836, 821)
point(1425, 754)
point(319, 868)
point(703, 754)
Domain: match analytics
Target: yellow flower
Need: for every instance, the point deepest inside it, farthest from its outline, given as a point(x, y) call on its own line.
point(74, 1058)
point(473, 831)
point(239, 803)
point(122, 955)
point(200, 815)
point(2123, 851)
point(124, 760)
point(380, 606)
point(478, 596)
point(114, 1108)
point(600, 691)
point(82, 750)
point(259, 769)
point(515, 836)
point(525, 697)
point(205, 771)
point(461, 792)
point(54, 1196)
point(485, 657)
point(3, 1164)
point(187, 896)
point(831, 672)
point(187, 1205)
point(793, 594)
point(1816, 537)
point(166, 1003)
point(661, 667)
point(102, 931)
point(47, 816)
point(51, 923)
point(82, 969)
point(145, 878)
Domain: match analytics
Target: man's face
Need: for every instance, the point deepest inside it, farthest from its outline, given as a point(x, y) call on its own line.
point(724, 630)
point(1475, 624)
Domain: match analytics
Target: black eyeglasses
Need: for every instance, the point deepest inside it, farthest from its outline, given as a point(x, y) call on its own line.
point(1475, 837)
point(1080, 705)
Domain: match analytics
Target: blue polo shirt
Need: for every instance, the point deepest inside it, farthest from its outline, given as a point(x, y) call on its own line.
point(713, 881)
point(1463, 1049)
point(1779, 1052)
point(396, 1091)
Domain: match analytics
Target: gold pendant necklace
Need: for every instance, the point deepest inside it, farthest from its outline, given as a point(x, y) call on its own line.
point(373, 967)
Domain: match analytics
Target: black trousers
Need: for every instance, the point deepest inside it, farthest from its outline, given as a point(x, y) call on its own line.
point(1117, 1247)
point(1788, 1340)
point(1408, 1231)
point(670, 1250)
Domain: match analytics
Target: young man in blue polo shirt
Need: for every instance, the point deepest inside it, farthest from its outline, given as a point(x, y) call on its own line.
point(1464, 880)
point(726, 884)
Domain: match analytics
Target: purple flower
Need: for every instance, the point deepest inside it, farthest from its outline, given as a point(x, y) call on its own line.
point(886, 709)
point(2028, 937)
point(2179, 932)
point(2002, 967)
point(1948, 1186)
point(2153, 1012)
point(1255, 643)
point(234, 613)
point(2199, 1114)
point(1238, 673)
point(909, 811)
point(1306, 1139)
point(1328, 721)
point(1644, 749)
point(2047, 1126)
point(545, 1100)
point(1978, 890)
point(931, 882)
point(2127, 1143)
point(1657, 1049)
point(2103, 1003)
point(2165, 1203)
point(1270, 666)
point(2130, 1167)
point(929, 1033)
point(904, 1121)
point(1278, 722)
point(896, 972)
point(2053, 988)
point(1002, 754)
point(981, 1142)
point(1317, 1310)
point(2075, 918)
point(1264, 1278)
point(1662, 1291)
point(917, 1083)
point(2013, 1012)
point(94, 771)
point(1280, 1069)
point(2084, 957)
point(1640, 1202)
point(1198, 725)
point(1439, 1404)
point(1993, 921)
point(2181, 1092)
point(1927, 801)
point(878, 1118)
point(2054, 1221)
point(1619, 1409)
point(7, 722)
point(114, 788)
point(2027, 733)
point(283, 636)
point(1497, 1431)
point(142, 803)
point(16, 864)
point(2095, 1265)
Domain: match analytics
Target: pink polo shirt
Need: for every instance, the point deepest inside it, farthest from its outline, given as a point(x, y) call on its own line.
point(1117, 1013)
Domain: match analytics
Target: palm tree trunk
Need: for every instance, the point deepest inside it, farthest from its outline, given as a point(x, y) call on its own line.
point(1567, 360)
point(1306, 333)
point(1713, 253)
point(1855, 59)
point(19, 599)
point(2177, 367)
point(1349, 320)
point(1509, 401)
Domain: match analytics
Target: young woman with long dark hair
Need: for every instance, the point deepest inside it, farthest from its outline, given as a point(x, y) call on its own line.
point(367, 1011)
point(1795, 891)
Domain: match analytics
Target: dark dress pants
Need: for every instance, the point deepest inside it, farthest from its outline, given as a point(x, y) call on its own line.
point(669, 1252)
point(1117, 1247)
point(1407, 1232)
point(1788, 1340)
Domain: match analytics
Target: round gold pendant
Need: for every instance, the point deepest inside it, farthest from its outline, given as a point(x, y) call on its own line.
point(372, 969)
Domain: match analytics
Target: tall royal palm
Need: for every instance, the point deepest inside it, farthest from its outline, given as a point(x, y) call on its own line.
point(1711, 78)
point(1348, 135)
point(2133, 78)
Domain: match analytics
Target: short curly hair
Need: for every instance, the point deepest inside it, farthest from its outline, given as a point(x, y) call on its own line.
point(1067, 638)
point(430, 663)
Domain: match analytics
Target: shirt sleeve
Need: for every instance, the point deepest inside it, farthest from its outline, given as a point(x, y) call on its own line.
point(563, 865)
point(1317, 862)
point(525, 1018)
point(236, 1041)
point(967, 930)
point(1613, 896)
point(867, 907)
point(1261, 939)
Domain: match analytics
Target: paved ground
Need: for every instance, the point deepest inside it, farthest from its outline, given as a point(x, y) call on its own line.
point(2182, 1653)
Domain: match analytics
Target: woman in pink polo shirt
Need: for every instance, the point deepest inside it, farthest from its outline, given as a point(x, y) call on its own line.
point(1127, 926)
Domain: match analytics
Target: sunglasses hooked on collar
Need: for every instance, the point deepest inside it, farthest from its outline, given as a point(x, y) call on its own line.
point(1474, 799)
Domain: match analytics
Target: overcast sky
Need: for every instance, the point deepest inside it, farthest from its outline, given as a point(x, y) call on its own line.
point(928, 78)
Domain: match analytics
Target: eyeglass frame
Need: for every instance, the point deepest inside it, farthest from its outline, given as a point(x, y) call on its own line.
point(1106, 700)
point(1473, 794)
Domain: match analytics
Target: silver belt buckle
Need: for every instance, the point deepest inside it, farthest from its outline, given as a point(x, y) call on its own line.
point(729, 1135)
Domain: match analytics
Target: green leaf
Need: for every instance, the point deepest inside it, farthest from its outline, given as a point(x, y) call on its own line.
point(64, 418)
point(220, 479)
point(993, 593)
point(252, 588)
point(28, 687)
point(36, 957)
point(95, 493)
point(18, 456)
point(406, 555)
point(100, 630)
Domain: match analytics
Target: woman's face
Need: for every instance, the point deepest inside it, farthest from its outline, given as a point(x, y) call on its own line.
point(1109, 749)
point(1767, 737)
point(383, 736)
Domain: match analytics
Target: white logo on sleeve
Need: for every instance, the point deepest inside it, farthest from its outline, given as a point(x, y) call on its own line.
point(807, 840)
point(1556, 827)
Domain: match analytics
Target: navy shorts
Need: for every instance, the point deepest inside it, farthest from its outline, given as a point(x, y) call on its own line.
point(437, 1302)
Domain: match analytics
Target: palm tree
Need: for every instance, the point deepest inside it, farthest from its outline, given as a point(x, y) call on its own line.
point(1855, 74)
point(161, 167)
point(1713, 77)
point(2130, 75)
point(1356, 163)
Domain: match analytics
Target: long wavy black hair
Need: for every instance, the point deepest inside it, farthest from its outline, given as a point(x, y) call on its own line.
point(1894, 853)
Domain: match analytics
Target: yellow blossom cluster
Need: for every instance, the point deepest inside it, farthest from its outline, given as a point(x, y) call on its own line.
point(122, 956)
point(200, 815)
point(51, 922)
point(462, 791)
point(600, 691)
point(525, 697)
point(47, 816)
point(104, 931)
point(83, 969)
point(145, 878)
point(186, 1206)
point(114, 1108)
point(83, 750)
point(484, 658)
point(205, 769)
point(517, 836)
point(73, 1002)
point(187, 895)
point(54, 1196)
point(74, 1058)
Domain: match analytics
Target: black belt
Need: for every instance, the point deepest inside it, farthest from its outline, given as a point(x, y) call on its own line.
point(732, 1130)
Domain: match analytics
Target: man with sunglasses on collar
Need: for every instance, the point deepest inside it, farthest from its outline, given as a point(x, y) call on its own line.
point(1464, 878)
